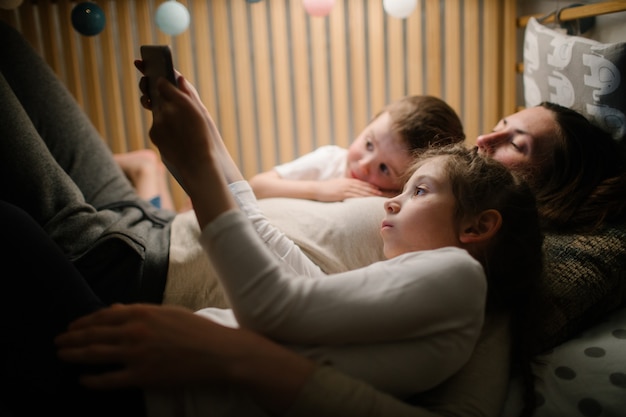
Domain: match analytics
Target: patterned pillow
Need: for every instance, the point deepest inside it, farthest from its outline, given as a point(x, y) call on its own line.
point(585, 280)
point(576, 72)
point(585, 376)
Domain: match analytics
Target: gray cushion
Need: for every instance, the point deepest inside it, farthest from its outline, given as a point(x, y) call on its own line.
point(576, 72)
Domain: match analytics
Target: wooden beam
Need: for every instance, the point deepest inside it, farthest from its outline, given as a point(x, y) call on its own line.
point(578, 12)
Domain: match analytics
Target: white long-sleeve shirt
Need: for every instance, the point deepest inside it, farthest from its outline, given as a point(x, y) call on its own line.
point(403, 325)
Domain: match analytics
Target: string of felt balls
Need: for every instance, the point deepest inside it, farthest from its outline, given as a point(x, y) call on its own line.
point(173, 18)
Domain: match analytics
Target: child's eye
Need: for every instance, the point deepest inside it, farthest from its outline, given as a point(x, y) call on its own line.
point(369, 145)
point(384, 169)
point(418, 191)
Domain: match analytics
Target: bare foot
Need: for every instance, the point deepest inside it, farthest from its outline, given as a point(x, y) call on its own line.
point(148, 175)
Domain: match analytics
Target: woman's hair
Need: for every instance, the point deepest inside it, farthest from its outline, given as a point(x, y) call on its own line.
point(513, 260)
point(423, 121)
point(586, 184)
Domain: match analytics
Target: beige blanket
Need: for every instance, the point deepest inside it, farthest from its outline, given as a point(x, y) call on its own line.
point(337, 236)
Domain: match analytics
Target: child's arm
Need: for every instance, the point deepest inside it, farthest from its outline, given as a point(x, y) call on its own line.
point(270, 184)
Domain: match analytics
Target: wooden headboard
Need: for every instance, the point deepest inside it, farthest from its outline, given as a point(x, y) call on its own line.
point(278, 81)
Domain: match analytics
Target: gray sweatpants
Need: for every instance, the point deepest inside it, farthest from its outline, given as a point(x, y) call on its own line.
point(55, 166)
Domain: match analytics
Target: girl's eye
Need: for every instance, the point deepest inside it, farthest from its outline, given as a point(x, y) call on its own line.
point(418, 191)
point(384, 169)
point(369, 145)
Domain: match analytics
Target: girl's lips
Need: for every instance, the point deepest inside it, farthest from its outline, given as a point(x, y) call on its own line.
point(385, 225)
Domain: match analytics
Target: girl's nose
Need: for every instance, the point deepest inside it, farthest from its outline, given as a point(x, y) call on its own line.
point(392, 205)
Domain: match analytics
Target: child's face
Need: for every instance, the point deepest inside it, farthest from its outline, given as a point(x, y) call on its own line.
point(422, 217)
point(379, 156)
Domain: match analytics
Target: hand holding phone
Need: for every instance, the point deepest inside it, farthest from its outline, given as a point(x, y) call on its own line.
point(157, 62)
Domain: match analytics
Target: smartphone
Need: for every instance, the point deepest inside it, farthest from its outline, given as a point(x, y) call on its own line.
point(158, 62)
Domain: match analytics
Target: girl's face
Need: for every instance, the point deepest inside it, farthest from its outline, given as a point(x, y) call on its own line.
point(378, 155)
point(523, 141)
point(422, 217)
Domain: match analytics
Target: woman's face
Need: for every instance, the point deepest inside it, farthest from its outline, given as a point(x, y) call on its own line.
point(422, 216)
point(523, 141)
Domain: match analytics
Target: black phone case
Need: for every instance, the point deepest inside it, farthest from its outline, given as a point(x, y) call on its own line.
point(158, 62)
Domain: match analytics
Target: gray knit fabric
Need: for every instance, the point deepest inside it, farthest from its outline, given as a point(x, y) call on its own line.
point(55, 166)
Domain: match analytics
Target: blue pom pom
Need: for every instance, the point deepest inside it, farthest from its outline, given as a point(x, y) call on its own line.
point(88, 18)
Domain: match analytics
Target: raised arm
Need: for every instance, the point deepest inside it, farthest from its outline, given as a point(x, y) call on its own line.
point(229, 168)
point(282, 247)
point(181, 129)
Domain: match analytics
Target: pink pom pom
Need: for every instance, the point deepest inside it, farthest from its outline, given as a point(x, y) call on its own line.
point(318, 7)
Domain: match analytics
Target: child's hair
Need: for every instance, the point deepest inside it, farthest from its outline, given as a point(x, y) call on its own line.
point(480, 183)
point(424, 121)
point(584, 182)
point(513, 260)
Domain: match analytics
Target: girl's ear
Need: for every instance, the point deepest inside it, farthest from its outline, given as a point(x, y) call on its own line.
point(482, 227)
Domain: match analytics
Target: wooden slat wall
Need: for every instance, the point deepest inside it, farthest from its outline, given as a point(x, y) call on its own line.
point(279, 82)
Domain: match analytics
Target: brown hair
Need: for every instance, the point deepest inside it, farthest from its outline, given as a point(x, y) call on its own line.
point(423, 121)
point(513, 260)
point(587, 183)
point(480, 183)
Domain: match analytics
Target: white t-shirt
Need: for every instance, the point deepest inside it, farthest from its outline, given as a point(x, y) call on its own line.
point(403, 325)
point(324, 163)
